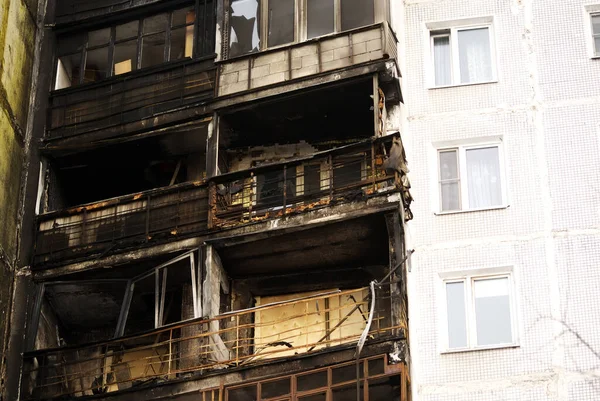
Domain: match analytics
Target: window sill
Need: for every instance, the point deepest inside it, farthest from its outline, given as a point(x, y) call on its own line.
point(495, 81)
point(484, 348)
point(500, 207)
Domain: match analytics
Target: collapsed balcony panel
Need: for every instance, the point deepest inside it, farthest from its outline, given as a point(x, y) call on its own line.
point(326, 321)
point(126, 104)
point(321, 118)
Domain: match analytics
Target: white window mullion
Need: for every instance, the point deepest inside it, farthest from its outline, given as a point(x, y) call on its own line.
point(471, 324)
point(454, 56)
point(464, 187)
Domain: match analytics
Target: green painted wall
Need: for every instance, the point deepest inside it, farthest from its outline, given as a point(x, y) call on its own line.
point(17, 34)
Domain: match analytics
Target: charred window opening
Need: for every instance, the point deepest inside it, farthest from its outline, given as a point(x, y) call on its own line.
point(281, 22)
point(144, 164)
point(296, 126)
point(119, 49)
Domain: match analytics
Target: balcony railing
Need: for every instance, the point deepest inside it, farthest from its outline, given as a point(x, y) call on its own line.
point(125, 104)
point(344, 174)
point(275, 330)
point(132, 220)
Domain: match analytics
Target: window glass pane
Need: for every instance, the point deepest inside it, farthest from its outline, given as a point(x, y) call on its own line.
point(67, 73)
point(483, 177)
point(71, 44)
point(99, 37)
point(320, 17)
point(157, 23)
point(492, 311)
point(128, 30)
point(277, 388)
point(356, 13)
point(182, 42)
point(457, 315)
point(153, 49)
point(597, 45)
point(244, 35)
point(442, 60)
point(450, 196)
point(312, 381)
point(596, 24)
point(475, 56)
point(281, 22)
point(96, 65)
point(125, 57)
point(247, 393)
point(448, 165)
point(183, 16)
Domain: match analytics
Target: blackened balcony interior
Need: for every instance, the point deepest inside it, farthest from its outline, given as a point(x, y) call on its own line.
point(136, 193)
point(110, 81)
point(262, 311)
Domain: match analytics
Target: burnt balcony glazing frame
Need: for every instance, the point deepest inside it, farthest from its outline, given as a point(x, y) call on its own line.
point(113, 105)
point(141, 219)
point(344, 174)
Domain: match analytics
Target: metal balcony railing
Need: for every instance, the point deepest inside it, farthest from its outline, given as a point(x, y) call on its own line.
point(344, 174)
point(112, 105)
point(275, 330)
point(132, 220)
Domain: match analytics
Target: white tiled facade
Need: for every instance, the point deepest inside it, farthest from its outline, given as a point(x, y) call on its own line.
point(545, 105)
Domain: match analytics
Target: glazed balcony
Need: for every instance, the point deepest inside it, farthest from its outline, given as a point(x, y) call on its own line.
point(313, 57)
point(136, 220)
point(324, 179)
point(274, 331)
point(125, 104)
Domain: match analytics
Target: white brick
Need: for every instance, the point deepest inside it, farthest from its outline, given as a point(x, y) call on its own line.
point(279, 66)
point(366, 35)
point(304, 71)
point(373, 45)
point(227, 79)
point(332, 65)
point(269, 79)
point(233, 88)
point(270, 58)
point(359, 48)
point(334, 43)
point(343, 52)
point(261, 71)
point(304, 51)
point(234, 66)
point(326, 56)
point(310, 60)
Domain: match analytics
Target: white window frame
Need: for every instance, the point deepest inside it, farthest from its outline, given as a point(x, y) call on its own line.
point(592, 11)
point(469, 277)
point(461, 149)
point(451, 29)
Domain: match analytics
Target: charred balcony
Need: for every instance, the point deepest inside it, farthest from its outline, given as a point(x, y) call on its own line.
point(134, 194)
point(277, 329)
point(140, 72)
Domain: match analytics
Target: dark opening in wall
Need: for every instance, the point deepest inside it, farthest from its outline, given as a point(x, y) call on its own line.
point(127, 168)
point(296, 125)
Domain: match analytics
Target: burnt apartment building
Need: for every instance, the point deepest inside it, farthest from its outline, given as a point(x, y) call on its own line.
point(223, 193)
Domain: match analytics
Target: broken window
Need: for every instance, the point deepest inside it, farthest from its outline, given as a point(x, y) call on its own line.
point(245, 33)
point(479, 311)
point(281, 22)
point(167, 294)
point(470, 178)
point(349, 171)
point(462, 56)
point(86, 57)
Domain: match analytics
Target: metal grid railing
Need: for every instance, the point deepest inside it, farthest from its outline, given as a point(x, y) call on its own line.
point(121, 222)
point(273, 191)
point(238, 338)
